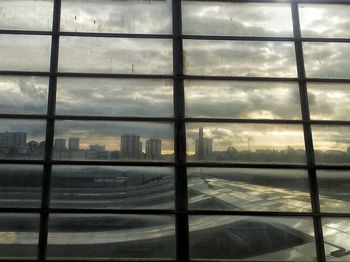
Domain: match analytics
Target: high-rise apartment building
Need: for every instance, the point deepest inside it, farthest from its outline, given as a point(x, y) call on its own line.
point(60, 144)
point(153, 149)
point(130, 146)
point(74, 143)
point(13, 139)
point(203, 147)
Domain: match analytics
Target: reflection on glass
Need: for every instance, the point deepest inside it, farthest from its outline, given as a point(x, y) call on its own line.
point(239, 58)
point(336, 238)
point(258, 143)
point(329, 101)
point(235, 99)
point(22, 139)
point(26, 14)
point(19, 236)
point(25, 52)
point(112, 187)
point(327, 60)
point(115, 55)
point(251, 238)
point(333, 189)
point(243, 19)
point(26, 95)
point(317, 20)
point(331, 144)
point(103, 236)
point(20, 185)
point(114, 97)
point(132, 16)
point(100, 140)
point(248, 189)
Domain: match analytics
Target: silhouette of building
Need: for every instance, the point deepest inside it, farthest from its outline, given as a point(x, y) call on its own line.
point(153, 149)
point(97, 148)
point(13, 139)
point(74, 143)
point(130, 146)
point(204, 146)
point(60, 144)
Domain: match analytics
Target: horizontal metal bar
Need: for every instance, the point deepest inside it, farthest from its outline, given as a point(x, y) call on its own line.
point(102, 75)
point(171, 212)
point(240, 78)
point(24, 32)
point(116, 35)
point(237, 38)
point(24, 73)
point(173, 164)
point(114, 118)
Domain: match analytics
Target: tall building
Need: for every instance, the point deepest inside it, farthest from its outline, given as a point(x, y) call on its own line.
point(13, 139)
point(204, 146)
point(74, 143)
point(60, 144)
point(130, 146)
point(153, 149)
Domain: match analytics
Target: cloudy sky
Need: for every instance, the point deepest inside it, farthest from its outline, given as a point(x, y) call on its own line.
point(139, 97)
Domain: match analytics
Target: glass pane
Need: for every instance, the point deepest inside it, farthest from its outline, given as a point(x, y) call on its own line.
point(115, 55)
point(251, 238)
point(91, 140)
point(242, 19)
point(234, 99)
point(113, 16)
point(324, 20)
point(100, 236)
point(331, 144)
point(327, 60)
point(333, 189)
point(112, 187)
point(329, 101)
point(20, 185)
point(25, 52)
point(248, 189)
point(22, 139)
point(25, 95)
point(114, 97)
point(26, 14)
point(19, 236)
point(258, 143)
point(239, 58)
point(336, 238)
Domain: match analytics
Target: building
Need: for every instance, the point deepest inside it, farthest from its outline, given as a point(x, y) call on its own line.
point(98, 148)
point(153, 149)
point(60, 144)
point(203, 147)
point(130, 146)
point(74, 143)
point(13, 139)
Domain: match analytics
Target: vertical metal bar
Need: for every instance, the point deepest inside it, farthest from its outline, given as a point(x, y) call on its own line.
point(51, 107)
point(310, 156)
point(182, 228)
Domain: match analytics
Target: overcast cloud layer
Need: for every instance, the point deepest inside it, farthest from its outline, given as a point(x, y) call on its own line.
point(154, 56)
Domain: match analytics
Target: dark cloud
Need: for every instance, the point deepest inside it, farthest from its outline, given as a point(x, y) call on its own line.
point(327, 60)
point(234, 99)
point(115, 55)
point(239, 58)
point(115, 97)
point(23, 95)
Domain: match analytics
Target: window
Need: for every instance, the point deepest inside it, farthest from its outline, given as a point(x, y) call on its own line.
point(169, 130)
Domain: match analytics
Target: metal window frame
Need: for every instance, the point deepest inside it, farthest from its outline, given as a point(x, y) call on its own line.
point(179, 120)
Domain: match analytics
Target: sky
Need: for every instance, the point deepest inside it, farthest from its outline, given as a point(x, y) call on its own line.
point(140, 97)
